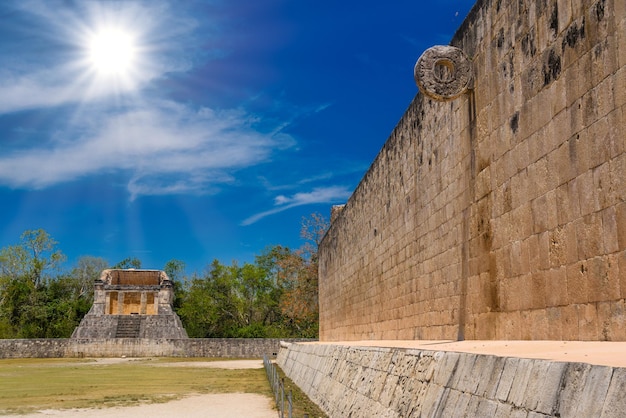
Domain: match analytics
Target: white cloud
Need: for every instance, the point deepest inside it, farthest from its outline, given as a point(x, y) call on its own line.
point(166, 148)
point(281, 200)
point(332, 194)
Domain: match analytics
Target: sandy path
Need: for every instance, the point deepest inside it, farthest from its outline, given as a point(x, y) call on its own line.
point(218, 364)
point(220, 405)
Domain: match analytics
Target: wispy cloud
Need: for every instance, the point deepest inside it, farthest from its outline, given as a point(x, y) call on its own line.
point(332, 194)
point(166, 148)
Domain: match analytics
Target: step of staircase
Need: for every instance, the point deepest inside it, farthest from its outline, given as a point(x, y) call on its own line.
point(128, 326)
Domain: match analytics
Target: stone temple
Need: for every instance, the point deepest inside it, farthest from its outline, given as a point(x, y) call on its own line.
point(132, 304)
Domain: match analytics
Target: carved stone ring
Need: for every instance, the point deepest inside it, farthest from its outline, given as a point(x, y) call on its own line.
point(443, 72)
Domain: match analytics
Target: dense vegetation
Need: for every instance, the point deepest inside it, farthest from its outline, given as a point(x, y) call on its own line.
point(275, 296)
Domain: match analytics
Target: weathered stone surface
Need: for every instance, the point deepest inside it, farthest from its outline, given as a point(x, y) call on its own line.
point(525, 387)
point(543, 387)
point(131, 304)
point(139, 347)
point(500, 214)
point(506, 379)
point(585, 390)
point(615, 403)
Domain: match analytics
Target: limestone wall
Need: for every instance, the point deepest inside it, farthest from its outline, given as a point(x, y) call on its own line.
point(385, 383)
point(500, 214)
point(139, 347)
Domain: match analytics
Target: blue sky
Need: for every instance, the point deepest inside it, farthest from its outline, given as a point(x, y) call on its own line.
point(230, 121)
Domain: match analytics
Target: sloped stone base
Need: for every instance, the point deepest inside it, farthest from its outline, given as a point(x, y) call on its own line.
point(164, 325)
point(394, 382)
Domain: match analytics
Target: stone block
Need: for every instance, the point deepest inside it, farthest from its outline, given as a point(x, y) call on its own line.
point(520, 382)
point(615, 401)
point(503, 410)
point(386, 396)
point(603, 283)
point(589, 236)
point(484, 408)
point(433, 400)
point(544, 250)
point(613, 321)
point(570, 243)
point(584, 390)
point(462, 405)
point(621, 262)
point(463, 380)
point(511, 326)
point(554, 320)
point(543, 387)
point(620, 86)
point(556, 286)
point(490, 369)
point(569, 321)
point(620, 221)
point(446, 364)
point(587, 194)
point(588, 322)
point(538, 290)
point(506, 379)
point(538, 324)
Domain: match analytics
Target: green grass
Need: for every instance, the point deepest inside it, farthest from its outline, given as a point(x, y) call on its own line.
point(28, 385)
point(301, 403)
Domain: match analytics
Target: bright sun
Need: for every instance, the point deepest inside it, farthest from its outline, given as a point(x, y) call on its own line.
point(112, 51)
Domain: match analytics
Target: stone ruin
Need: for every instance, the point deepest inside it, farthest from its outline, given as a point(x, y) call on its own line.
point(132, 304)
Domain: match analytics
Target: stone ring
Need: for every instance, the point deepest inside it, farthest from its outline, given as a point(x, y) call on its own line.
point(443, 72)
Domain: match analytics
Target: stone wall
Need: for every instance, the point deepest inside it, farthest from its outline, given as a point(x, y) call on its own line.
point(163, 326)
point(500, 214)
point(140, 347)
point(385, 382)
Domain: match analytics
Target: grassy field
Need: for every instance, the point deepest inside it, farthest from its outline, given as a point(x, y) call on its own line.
point(301, 402)
point(28, 385)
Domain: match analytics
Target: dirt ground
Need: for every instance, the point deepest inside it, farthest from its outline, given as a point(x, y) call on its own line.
point(227, 405)
point(219, 405)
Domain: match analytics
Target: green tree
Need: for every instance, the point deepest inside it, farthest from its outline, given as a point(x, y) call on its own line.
point(210, 308)
point(128, 263)
point(25, 270)
point(17, 295)
point(258, 302)
point(36, 300)
point(66, 303)
point(297, 275)
point(276, 296)
point(86, 271)
point(231, 301)
point(32, 259)
point(175, 270)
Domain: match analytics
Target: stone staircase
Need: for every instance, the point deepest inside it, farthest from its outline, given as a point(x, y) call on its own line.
point(128, 326)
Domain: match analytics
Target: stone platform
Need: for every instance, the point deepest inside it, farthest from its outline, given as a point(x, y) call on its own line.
point(461, 379)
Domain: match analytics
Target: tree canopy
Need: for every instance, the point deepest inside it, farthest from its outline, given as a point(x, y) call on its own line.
point(275, 296)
